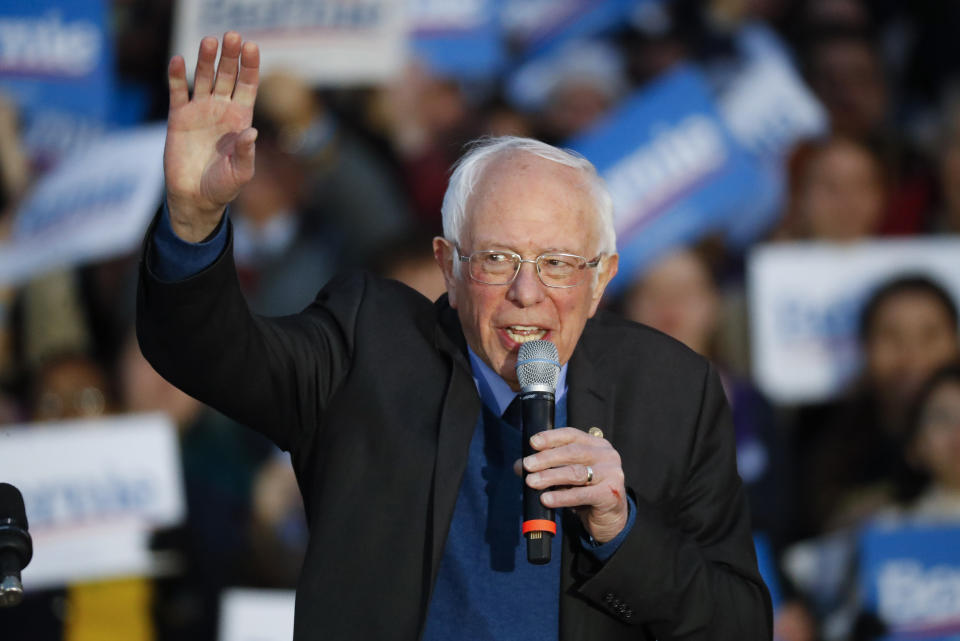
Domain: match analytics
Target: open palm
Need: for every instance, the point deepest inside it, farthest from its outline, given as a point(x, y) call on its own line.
point(209, 153)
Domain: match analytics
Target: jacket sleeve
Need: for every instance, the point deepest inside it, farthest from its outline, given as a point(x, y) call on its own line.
point(687, 569)
point(273, 374)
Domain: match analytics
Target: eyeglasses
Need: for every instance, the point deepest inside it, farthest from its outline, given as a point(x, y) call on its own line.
point(499, 267)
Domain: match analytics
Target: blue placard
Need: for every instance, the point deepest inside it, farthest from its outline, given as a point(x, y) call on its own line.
point(673, 169)
point(557, 21)
point(458, 38)
point(910, 576)
point(56, 63)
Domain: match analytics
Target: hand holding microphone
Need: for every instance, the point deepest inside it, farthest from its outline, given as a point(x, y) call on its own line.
point(566, 466)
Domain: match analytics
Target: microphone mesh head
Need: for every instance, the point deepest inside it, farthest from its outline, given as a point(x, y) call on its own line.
point(538, 364)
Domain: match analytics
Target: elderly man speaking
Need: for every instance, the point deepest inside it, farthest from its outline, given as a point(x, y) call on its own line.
point(392, 406)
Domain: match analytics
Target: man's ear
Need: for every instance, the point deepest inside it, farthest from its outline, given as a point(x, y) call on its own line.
point(443, 253)
point(606, 270)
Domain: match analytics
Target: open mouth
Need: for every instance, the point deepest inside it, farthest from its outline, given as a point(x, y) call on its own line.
point(524, 333)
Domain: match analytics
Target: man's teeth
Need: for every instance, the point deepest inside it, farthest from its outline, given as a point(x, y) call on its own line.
point(525, 333)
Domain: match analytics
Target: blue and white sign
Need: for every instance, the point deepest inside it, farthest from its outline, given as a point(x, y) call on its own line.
point(539, 25)
point(910, 575)
point(95, 204)
point(57, 64)
point(330, 42)
point(93, 491)
point(769, 109)
point(673, 169)
point(805, 301)
point(458, 38)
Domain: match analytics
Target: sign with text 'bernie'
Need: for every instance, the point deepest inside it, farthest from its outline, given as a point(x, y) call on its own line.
point(329, 42)
point(95, 204)
point(805, 301)
point(673, 169)
point(458, 38)
point(910, 575)
point(56, 64)
point(93, 491)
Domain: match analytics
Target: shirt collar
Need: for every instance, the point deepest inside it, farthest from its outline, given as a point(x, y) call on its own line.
point(495, 392)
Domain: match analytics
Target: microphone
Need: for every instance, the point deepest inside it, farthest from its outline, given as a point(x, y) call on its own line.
point(16, 548)
point(538, 368)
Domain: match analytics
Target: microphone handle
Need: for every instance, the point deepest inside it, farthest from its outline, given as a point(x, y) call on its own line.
point(539, 526)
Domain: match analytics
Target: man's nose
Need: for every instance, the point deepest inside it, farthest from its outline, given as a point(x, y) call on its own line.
point(526, 289)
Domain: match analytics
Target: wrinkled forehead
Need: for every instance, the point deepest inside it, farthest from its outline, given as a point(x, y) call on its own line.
point(520, 190)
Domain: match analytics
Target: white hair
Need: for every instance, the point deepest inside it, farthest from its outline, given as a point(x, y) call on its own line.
point(470, 167)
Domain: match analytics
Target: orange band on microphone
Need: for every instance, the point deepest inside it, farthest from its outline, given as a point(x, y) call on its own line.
point(539, 525)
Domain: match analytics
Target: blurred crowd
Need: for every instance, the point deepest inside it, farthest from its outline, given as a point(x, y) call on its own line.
point(354, 178)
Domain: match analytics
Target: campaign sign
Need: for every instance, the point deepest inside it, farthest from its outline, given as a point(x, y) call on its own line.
point(93, 491)
point(805, 301)
point(769, 109)
point(332, 42)
point(458, 38)
point(256, 615)
point(673, 170)
point(56, 63)
point(540, 25)
point(95, 204)
point(910, 574)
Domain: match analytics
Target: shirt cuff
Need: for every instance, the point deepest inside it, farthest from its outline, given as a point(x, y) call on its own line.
point(175, 259)
point(603, 551)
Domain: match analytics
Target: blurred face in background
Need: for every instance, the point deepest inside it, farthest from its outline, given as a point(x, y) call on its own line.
point(840, 196)
point(937, 444)
point(677, 296)
point(71, 387)
point(847, 76)
point(911, 336)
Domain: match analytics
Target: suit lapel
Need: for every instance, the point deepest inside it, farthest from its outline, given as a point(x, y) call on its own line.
point(589, 403)
point(458, 419)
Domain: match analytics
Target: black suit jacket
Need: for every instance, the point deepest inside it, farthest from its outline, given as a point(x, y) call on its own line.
point(370, 389)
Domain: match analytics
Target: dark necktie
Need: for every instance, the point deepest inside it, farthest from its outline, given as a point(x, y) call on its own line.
point(514, 413)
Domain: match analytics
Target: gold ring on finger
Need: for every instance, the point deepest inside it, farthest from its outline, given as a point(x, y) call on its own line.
point(589, 475)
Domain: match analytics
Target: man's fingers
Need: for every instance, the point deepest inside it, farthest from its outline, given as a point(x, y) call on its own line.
point(206, 59)
point(576, 474)
point(177, 80)
point(229, 62)
point(249, 77)
point(591, 495)
point(559, 436)
point(585, 453)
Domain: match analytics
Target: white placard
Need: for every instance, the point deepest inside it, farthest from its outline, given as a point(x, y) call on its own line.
point(256, 615)
point(93, 491)
point(805, 301)
point(95, 204)
point(329, 42)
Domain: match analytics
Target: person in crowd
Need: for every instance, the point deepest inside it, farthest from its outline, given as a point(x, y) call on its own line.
point(387, 404)
point(279, 260)
point(346, 190)
point(932, 446)
point(838, 193)
point(845, 70)
point(850, 450)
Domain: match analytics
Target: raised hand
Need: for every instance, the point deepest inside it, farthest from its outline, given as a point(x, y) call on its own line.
point(209, 151)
